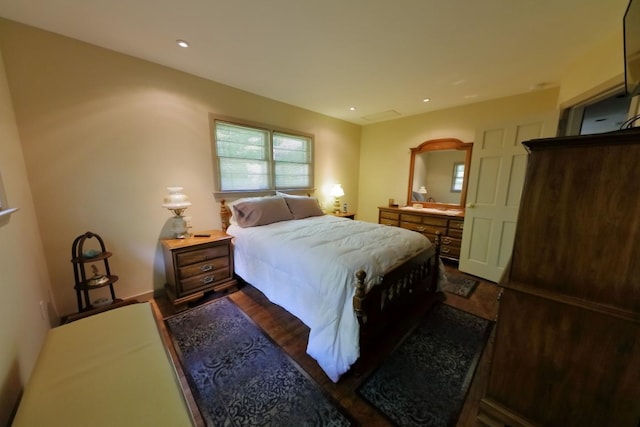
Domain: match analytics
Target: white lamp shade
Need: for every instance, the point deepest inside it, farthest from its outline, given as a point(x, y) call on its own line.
point(422, 190)
point(337, 191)
point(176, 199)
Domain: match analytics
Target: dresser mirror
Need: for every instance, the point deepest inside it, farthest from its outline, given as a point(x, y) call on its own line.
point(438, 174)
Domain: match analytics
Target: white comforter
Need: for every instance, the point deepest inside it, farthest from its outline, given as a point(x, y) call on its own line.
point(308, 267)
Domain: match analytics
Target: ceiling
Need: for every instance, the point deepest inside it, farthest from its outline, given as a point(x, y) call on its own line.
point(381, 57)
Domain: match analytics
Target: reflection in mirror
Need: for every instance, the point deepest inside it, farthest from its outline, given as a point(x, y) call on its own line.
point(435, 172)
point(438, 173)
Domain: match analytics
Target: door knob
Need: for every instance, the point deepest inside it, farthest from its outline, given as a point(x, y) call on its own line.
point(471, 205)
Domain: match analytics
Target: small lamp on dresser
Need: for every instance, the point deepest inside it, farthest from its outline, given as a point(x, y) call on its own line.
point(336, 192)
point(177, 202)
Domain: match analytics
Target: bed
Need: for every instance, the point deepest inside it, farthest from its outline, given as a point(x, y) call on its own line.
point(109, 369)
point(346, 280)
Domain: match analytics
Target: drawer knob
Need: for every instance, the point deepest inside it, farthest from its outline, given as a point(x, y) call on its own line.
point(421, 229)
point(207, 280)
point(206, 267)
point(444, 250)
point(446, 240)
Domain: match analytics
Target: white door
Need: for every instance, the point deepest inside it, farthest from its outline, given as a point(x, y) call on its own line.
point(496, 176)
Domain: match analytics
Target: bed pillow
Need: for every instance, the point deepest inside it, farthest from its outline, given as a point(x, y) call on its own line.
point(261, 211)
point(232, 219)
point(303, 207)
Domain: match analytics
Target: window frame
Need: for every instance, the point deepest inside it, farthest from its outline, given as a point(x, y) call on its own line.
point(271, 130)
point(456, 176)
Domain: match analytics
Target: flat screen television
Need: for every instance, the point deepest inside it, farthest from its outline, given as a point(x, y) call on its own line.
point(631, 24)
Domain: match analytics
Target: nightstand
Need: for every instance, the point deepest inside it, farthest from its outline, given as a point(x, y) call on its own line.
point(350, 215)
point(196, 265)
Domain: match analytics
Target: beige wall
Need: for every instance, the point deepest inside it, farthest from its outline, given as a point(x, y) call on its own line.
point(598, 70)
point(104, 134)
point(100, 135)
point(385, 147)
point(23, 271)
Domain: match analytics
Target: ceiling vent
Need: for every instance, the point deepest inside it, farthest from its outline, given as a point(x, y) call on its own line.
point(389, 114)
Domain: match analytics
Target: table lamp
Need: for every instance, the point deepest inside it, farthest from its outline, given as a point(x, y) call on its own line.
point(177, 202)
point(336, 192)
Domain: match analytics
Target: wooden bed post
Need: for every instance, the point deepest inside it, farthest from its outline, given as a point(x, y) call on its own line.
point(437, 241)
point(358, 298)
point(225, 215)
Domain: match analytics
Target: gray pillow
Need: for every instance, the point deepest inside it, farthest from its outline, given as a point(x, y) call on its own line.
point(303, 207)
point(261, 211)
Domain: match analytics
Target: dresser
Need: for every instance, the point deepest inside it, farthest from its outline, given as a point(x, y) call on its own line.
point(428, 222)
point(567, 341)
point(198, 264)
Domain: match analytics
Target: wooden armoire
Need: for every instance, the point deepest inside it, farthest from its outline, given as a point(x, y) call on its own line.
point(567, 343)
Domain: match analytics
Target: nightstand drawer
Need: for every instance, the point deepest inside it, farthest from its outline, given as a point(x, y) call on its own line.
point(191, 257)
point(207, 280)
point(203, 267)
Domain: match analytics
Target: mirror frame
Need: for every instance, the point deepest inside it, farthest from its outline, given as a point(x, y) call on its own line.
point(435, 145)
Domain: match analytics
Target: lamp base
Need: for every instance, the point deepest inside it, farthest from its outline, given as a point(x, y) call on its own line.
point(180, 227)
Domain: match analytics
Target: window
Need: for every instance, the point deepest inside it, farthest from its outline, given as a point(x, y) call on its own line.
point(256, 158)
point(605, 112)
point(458, 177)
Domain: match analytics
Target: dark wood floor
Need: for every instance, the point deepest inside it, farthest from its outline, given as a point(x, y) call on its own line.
point(291, 334)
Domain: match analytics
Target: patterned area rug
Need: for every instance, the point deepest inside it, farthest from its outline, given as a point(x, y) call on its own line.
point(459, 285)
point(240, 377)
point(425, 381)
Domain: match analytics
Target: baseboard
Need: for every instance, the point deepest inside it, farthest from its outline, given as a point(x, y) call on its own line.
point(493, 414)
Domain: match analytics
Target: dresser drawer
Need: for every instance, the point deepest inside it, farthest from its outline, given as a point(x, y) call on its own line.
point(450, 252)
point(198, 255)
point(450, 247)
point(432, 220)
point(428, 223)
point(411, 218)
point(389, 215)
point(423, 228)
point(450, 242)
point(203, 267)
point(207, 280)
point(455, 228)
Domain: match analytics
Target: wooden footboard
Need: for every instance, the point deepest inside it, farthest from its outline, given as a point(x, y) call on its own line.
point(406, 285)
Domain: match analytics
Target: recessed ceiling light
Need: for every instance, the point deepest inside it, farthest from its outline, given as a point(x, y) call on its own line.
point(182, 43)
point(352, 108)
point(426, 100)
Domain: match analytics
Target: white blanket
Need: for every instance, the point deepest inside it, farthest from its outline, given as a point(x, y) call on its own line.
point(308, 267)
